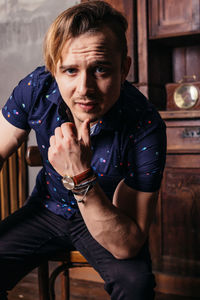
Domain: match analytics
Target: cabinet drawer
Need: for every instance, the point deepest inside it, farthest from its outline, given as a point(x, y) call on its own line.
point(183, 139)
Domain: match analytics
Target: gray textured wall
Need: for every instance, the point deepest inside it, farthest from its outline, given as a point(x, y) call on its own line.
point(23, 24)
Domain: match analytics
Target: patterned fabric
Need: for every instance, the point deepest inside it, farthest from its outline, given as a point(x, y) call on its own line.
point(128, 143)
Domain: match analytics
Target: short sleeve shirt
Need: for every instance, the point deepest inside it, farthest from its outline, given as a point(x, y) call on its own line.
point(128, 142)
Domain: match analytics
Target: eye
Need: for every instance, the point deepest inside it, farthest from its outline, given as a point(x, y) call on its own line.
point(100, 69)
point(70, 71)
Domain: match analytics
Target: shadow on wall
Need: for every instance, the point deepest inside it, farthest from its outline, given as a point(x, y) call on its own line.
point(23, 24)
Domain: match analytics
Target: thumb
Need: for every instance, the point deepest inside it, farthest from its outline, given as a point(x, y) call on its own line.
point(85, 132)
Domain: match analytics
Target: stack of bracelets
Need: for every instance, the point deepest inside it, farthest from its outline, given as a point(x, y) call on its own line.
point(83, 188)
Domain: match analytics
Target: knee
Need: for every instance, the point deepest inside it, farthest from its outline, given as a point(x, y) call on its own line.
point(131, 283)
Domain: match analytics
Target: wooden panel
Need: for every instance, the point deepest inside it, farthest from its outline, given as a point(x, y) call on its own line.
point(186, 62)
point(159, 72)
point(174, 234)
point(128, 8)
point(183, 131)
point(142, 47)
point(169, 17)
point(180, 227)
point(183, 138)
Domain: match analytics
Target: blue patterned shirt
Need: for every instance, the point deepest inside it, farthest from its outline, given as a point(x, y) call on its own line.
point(128, 142)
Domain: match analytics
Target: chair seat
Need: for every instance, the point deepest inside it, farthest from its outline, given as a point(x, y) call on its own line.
point(72, 256)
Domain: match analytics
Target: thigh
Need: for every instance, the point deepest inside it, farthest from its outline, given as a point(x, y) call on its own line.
point(30, 228)
point(26, 238)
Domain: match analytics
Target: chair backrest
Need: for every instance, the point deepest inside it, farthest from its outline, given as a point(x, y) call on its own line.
point(33, 156)
point(13, 182)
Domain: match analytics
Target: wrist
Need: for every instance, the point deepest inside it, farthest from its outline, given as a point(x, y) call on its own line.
point(71, 182)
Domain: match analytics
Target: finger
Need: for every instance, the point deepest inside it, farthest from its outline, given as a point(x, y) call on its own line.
point(52, 140)
point(58, 133)
point(69, 130)
point(85, 132)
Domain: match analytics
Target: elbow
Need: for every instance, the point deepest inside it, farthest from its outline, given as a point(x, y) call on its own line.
point(127, 253)
point(130, 250)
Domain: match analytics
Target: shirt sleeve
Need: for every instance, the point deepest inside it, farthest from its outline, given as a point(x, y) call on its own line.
point(146, 160)
point(17, 107)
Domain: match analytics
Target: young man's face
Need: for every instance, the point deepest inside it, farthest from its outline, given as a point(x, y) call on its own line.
point(90, 73)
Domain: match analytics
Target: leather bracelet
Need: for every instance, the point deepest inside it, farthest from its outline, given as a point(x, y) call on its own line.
point(83, 186)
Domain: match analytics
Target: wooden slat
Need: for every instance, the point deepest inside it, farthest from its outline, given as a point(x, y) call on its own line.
point(4, 192)
point(22, 175)
point(13, 174)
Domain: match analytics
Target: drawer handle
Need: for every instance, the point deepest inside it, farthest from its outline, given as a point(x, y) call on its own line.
point(191, 133)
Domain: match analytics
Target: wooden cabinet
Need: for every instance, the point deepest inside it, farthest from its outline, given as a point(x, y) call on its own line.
point(175, 235)
point(169, 17)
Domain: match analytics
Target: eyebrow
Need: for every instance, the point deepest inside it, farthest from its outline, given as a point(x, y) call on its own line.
point(96, 62)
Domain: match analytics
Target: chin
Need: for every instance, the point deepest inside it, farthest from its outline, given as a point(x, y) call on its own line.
point(91, 117)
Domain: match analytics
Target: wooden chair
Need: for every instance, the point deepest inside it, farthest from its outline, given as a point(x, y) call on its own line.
point(13, 182)
point(68, 259)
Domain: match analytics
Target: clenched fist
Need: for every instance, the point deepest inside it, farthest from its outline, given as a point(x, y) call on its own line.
point(70, 151)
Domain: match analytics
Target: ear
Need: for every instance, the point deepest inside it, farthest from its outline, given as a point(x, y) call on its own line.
point(125, 68)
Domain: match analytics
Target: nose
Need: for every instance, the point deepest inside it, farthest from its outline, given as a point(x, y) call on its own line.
point(86, 84)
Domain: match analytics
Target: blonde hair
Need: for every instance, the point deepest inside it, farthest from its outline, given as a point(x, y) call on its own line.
point(79, 19)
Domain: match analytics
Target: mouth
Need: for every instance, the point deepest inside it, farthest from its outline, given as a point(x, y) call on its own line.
point(87, 106)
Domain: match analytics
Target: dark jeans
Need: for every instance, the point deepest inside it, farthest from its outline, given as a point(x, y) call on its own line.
point(32, 233)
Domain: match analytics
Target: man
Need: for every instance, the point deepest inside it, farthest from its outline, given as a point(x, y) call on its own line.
point(103, 148)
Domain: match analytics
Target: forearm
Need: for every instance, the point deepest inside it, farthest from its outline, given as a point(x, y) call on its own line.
point(114, 230)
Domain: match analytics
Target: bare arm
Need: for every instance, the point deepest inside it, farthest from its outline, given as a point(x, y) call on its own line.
point(11, 138)
point(122, 226)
